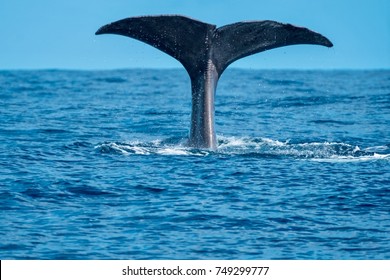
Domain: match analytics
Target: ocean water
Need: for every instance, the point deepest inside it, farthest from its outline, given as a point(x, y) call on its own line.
point(94, 165)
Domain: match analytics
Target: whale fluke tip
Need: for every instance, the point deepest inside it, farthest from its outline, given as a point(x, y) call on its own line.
point(102, 30)
point(329, 44)
point(322, 40)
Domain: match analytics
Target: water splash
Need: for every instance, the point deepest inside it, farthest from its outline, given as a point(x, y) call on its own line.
point(247, 146)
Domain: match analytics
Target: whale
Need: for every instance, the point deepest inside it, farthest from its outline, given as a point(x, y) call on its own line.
point(205, 51)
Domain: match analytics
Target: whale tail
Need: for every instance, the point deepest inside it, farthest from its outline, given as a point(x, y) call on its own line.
point(206, 51)
point(193, 43)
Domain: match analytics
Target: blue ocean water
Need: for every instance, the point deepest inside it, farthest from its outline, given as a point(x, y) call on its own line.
point(94, 165)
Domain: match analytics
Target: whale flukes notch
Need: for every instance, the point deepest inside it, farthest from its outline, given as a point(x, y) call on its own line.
point(206, 51)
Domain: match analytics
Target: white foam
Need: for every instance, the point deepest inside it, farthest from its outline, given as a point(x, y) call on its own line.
point(377, 149)
point(315, 151)
point(342, 159)
point(173, 151)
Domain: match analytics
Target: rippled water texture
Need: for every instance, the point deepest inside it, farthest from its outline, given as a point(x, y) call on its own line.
point(94, 165)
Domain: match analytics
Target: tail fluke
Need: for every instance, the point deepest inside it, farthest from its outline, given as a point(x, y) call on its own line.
point(235, 41)
point(193, 43)
point(181, 37)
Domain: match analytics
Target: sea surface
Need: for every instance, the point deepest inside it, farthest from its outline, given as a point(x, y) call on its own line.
point(94, 165)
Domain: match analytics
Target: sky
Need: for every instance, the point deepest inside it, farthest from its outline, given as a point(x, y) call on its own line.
point(59, 34)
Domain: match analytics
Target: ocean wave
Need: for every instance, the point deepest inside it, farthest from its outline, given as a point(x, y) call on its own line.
point(251, 146)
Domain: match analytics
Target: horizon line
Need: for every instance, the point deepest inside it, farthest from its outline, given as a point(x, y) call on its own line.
point(181, 68)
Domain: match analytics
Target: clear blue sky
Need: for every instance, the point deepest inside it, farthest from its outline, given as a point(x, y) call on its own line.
point(38, 34)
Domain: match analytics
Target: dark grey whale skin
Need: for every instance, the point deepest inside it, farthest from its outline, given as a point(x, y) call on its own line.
point(206, 51)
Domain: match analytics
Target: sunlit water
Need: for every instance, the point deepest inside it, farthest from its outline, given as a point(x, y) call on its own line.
point(94, 165)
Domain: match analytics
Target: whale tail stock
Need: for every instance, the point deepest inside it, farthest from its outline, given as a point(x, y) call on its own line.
point(206, 51)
